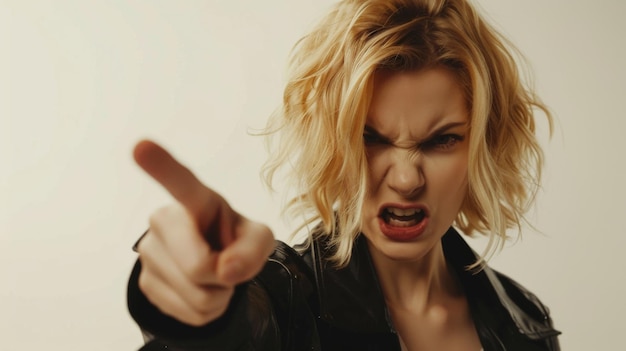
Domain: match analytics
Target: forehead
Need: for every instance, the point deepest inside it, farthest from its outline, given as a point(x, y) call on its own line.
point(428, 95)
point(425, 85)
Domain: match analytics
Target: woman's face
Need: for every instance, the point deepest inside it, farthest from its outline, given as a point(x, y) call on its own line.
point(416, 140)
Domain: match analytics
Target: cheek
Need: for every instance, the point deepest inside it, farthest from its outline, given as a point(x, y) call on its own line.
point(376, 166)
point(458, 169)
point(459, 178)
point(449, 174)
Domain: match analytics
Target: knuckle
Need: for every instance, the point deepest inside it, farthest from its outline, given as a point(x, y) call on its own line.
point(145, 283)
point(213, 301)
point(191, 268)
point(164, 214)
point(157, 216)
point(202, 301)
point(196, 267)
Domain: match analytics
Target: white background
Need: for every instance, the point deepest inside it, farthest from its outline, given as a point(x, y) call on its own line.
point(81, 81)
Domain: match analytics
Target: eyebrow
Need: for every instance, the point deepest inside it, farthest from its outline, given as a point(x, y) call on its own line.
point(440, 130)
point(374, 132)
point(444, 128)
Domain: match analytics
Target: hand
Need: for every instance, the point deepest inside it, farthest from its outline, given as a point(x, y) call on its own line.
point(198, 248)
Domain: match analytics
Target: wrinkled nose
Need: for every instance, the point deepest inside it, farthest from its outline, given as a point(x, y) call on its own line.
point(405, 175)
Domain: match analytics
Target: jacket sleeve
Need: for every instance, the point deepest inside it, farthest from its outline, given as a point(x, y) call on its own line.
point(259, 310)
point(247, 324)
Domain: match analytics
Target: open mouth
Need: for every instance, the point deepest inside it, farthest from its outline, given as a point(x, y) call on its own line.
point(398, 217)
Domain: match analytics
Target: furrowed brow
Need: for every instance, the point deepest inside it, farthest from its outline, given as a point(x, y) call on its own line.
point(445, 128)
point(374, 132)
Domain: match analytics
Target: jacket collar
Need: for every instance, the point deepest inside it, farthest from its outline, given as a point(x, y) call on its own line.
point(495, 300)
point(350, 298)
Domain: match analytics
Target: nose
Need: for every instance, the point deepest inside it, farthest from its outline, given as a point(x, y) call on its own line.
point(405, 175)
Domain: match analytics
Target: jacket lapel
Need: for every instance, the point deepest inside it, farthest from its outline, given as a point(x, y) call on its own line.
point(350, 298)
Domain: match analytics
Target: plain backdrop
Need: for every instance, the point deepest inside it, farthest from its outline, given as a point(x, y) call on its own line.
point(82, 80)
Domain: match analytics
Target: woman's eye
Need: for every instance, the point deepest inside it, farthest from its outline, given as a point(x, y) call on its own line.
point(442, 142)
point(370, 139)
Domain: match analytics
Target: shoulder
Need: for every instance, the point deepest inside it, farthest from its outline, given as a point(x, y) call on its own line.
point(285, 269)
point(513, 315)
point(528, 312)
point(526, 315)
point(500, 306)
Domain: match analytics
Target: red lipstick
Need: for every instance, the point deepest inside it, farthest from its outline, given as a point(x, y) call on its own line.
point(407, 231)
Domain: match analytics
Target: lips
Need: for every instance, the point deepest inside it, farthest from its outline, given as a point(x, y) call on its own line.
point(402, 222)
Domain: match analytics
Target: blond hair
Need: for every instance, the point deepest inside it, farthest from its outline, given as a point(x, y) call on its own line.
point(327, 96)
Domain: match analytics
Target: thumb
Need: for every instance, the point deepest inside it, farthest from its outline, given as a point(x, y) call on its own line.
point(247, 254)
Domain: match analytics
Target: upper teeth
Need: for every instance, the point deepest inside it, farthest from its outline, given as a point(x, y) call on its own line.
point(404, 212)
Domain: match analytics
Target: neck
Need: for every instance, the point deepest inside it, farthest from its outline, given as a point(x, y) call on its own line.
point(417, 284)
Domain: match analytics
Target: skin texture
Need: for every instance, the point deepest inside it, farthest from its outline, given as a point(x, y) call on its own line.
point(416, 143)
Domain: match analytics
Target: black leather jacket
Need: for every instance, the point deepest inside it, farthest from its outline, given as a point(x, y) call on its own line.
point(299, 302)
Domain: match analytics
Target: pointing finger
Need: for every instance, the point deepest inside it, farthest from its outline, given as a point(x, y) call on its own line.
point(177, 179)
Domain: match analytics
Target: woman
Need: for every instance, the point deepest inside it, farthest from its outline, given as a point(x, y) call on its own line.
point(400, 119)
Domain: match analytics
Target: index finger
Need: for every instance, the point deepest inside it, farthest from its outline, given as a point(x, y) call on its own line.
point(177, 179)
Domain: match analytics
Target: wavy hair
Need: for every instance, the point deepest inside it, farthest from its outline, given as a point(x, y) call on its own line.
point(317, 135)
